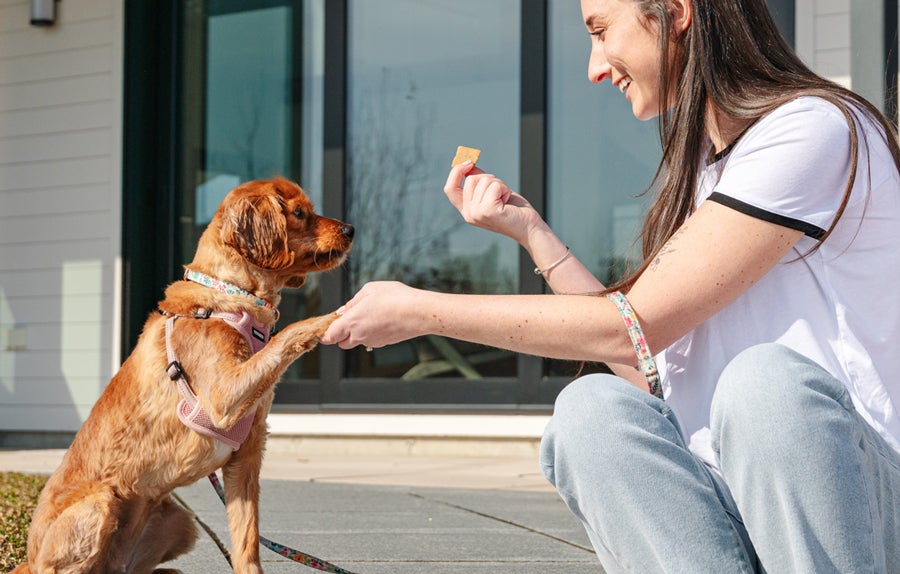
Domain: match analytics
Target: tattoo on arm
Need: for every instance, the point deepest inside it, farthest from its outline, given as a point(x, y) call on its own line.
point(668, 247)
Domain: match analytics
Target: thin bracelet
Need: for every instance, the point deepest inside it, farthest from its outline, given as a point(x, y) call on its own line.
point(539, 271)
point(646, 364)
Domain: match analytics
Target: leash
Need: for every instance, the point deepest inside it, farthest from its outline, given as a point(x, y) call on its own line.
point(281, 549)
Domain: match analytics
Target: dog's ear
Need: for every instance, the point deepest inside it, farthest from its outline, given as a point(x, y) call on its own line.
point(254, 225)
point(296, 281)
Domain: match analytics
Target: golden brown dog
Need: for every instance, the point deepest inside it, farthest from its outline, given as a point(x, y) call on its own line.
point(108, 507)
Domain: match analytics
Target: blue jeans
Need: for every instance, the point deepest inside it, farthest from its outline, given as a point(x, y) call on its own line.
point(806, 485)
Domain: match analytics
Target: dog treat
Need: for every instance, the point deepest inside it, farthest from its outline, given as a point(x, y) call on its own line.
point(464, 153)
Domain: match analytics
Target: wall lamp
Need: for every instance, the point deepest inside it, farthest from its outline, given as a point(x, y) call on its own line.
point(43, 12)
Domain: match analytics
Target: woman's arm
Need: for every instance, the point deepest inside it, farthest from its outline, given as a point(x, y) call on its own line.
point(487, 202)
point(572, 277)
point(717, 255)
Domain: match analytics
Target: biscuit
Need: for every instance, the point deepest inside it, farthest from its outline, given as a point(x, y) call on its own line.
point(464, 153)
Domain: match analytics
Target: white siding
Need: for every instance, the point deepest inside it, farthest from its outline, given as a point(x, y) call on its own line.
point(60, 204)
point(823, 37)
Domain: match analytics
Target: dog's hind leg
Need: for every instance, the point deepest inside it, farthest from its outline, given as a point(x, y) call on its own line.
point(77, 540)
point(170, 532)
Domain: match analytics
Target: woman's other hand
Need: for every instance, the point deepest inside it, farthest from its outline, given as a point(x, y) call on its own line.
point(485, 201)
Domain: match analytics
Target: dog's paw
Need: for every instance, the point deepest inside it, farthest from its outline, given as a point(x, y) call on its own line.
point(318, 325)
point(305, 335)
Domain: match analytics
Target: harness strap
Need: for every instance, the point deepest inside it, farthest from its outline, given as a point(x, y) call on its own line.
point(189, 410)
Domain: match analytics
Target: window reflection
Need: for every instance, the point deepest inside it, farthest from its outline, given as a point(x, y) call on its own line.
point(442, 75)
point(248, 86)
point(244, 117)
point(600, 159)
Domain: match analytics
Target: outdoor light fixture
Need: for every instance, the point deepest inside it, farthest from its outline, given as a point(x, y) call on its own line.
point(43, 12)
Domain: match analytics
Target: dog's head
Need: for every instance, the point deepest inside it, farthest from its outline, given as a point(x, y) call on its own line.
point(271, 225)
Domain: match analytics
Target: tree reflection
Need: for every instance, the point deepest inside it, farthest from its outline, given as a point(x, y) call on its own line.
point(397, 205)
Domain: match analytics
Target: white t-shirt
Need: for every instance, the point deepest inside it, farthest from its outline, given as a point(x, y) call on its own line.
point(839, 306)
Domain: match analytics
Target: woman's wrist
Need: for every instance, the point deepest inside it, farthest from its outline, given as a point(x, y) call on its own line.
point(544, 270)
point(546, 250)
point(558, 265)
point(537, 237)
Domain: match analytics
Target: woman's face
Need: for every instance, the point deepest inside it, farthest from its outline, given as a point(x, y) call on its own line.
point(625, 50)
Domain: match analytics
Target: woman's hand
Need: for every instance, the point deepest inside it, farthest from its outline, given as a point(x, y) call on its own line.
point(485, 201)
point(381, 313)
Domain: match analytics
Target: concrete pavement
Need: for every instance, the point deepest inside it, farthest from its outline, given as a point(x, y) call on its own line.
point(382, 512)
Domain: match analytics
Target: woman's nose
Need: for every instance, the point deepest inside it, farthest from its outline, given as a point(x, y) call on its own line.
point(598, 66)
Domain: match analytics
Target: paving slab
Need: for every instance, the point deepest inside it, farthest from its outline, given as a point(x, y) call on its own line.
point(374, 529)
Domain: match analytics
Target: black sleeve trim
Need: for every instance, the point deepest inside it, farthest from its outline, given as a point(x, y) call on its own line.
point(808, 229)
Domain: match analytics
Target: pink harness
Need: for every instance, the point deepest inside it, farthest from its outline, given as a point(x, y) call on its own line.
point(189, 410)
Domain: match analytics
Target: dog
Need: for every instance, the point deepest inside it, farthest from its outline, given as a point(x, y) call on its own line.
point(192, 397)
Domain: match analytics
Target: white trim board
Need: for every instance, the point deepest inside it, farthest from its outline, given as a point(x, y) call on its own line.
point(407, 425)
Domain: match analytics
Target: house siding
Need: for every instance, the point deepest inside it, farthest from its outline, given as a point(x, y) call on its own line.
point(60, 204)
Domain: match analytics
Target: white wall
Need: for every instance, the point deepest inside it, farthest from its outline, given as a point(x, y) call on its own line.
point(60, 203)
point(823, 37)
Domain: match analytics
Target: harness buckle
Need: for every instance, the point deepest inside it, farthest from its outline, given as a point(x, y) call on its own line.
point(174, 370)
point(203, 314)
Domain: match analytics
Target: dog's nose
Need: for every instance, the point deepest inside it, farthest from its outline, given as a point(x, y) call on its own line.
point(348, 230)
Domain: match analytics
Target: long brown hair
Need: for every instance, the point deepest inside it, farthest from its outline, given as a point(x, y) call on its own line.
point(733, 56)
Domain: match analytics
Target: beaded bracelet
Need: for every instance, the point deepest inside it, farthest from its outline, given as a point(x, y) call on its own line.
point(646, 364)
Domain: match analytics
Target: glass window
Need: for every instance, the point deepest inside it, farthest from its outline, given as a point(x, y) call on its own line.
point(423, 78)
point(251, 99)
point(600, 157)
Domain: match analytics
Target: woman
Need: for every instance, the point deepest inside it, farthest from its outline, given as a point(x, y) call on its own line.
point(767, 292)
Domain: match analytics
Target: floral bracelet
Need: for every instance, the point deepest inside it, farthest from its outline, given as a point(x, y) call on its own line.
point(646, 364)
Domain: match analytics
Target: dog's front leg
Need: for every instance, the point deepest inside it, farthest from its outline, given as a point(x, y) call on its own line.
point(239, 388)
point(241, 477)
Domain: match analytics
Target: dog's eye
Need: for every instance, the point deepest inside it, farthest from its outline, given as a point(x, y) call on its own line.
point(299, 214)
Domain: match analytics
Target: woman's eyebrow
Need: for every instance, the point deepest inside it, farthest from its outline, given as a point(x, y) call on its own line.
point(594, 20)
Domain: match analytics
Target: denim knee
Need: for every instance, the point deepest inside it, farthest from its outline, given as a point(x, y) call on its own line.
point(577, 410)
point(588, 397)
point(764, 393)
point(753, 371)
point(745, 393)
point(592, 404)
point(808, 474)
point(595, 420)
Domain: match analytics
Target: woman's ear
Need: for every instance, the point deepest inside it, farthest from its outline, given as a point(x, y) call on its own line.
point(254, 225)
point(682, 14)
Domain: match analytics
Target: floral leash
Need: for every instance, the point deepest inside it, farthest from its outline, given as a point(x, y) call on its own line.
point(282, 550)
point(646, 364)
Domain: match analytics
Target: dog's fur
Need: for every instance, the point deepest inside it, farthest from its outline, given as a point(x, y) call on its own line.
point(108, 507)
